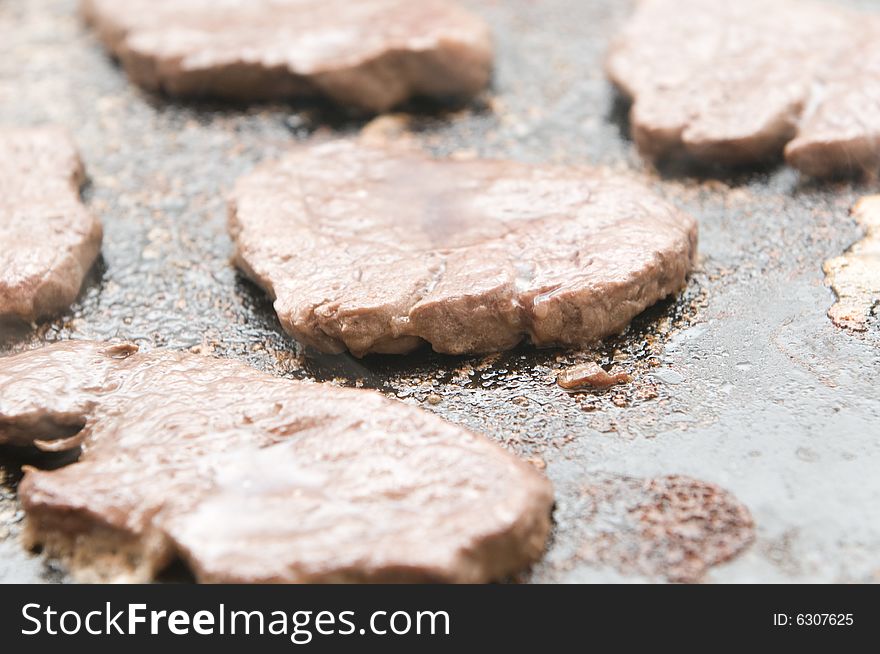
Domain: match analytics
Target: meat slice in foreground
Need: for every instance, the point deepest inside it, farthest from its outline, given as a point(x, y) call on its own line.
point(252, 478)
point(590, 375)
point(374, 249)
point(48, 240)
point(741, 82)
point(371, 54)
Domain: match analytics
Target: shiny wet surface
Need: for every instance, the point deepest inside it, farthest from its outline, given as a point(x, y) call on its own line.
point(743, 382)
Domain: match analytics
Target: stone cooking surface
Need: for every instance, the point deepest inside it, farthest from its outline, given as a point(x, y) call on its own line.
point(742, 383)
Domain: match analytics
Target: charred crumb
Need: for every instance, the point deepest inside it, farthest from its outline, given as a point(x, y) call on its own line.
point(590, 375)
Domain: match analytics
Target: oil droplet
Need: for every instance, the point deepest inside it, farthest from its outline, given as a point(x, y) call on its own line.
point(668, 376)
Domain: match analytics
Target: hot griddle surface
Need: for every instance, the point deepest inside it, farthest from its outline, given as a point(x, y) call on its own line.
point(742, 382)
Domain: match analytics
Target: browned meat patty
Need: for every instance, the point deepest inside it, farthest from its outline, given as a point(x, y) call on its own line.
point(371, 54)
point(48, 240)
point(840, 129)
point(734, 82)
point(374, 249)
point(252, 478)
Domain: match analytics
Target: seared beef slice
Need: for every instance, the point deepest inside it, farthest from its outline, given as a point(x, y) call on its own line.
point(371, 54)
point(252, 478)
point(48, 240)
point(741, 82)
point(374, 249)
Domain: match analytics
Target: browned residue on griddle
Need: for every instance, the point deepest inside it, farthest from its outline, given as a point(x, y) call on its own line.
point(855, 276)
point(590, 375)
point(672, 527)
point(215, 463)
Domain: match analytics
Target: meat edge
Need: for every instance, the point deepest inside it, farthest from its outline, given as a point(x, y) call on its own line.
point(60, 285)
point(451, 69)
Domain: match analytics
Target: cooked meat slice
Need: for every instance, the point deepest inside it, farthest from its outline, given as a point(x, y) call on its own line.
point(49, 240)
point(252, 478)
point(840, 131)
point(733, 82)
point(376, 249)
point(855, 275)
point(371, 54)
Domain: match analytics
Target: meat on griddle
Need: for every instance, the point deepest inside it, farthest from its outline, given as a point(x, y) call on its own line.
point(253, 478)
point(381, 249)
point(370, 54)
point(742, 82)
point(48, 239)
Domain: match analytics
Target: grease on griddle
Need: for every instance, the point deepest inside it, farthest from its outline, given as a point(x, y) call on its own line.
point(855, 276)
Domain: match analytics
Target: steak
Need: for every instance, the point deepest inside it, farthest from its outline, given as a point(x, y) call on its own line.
point(49, 240)
point(742, 82)
point(371, 54)
point(381, 249)
point(252, 478)
point(673, 526)
point(590, 375)
point(840, 131)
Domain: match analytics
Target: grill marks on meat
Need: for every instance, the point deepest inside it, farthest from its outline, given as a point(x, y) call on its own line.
point(252, 478)
point(375, 249)
point(371, 54)
point(48, 240)
point(741, 82)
